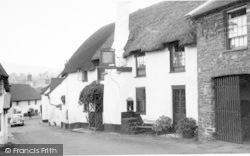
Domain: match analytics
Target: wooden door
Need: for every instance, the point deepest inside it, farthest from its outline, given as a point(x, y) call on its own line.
point(227, 109)
point(179, 103)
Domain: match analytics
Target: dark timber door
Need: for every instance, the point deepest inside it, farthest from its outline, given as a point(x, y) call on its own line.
point(227, 110)
point(179, 103)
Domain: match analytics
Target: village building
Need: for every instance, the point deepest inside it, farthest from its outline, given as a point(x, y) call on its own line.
point(160, 47)
point(24, 99)
point(223, 69)
point(4, 105)
point(155, 72)
point(79, 72)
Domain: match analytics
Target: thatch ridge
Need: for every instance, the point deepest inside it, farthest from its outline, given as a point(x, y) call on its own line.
point(164, 22)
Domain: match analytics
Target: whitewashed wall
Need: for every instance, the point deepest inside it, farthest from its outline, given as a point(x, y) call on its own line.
point(3, 122)
point(24, 107)
point(71, 88)
point(158, 84)
point(45, 103)
point(74, 87)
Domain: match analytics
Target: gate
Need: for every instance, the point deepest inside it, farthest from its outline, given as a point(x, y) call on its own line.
point(227, 109)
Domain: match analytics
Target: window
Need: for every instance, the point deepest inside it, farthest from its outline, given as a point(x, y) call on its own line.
point(179, 100)
point(35, 102)
point(1, 87)
point(14, 111)
point(140, 65)
point(28, 102)
point(100, 74)
point(85, 107)
point(177, 56)
point(237, 28)
point(141, 100)
point(82, 75)
point(17, 103)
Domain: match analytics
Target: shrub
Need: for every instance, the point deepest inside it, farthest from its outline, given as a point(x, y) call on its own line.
point(162, 125)
point(186, 125)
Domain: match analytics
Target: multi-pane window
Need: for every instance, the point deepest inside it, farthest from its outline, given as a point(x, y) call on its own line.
point(100, 74)
point(237, 28)
point(141, 100)
point(140, 65)
point(177, 56)
point(82, 75)
point(179, 100)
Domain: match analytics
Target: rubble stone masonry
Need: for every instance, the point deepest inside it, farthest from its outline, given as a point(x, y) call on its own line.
point(214, 60)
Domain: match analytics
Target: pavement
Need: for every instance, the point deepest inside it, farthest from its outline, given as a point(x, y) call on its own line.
point(87, 142)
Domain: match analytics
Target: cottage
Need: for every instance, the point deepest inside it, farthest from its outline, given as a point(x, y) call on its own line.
point(160, 47)
point(25, 99)
point(52, 102)
point(4, 105)
point(79, 71)
point(223, 69)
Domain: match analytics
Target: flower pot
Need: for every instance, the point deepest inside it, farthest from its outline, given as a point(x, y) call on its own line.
point(188, 134)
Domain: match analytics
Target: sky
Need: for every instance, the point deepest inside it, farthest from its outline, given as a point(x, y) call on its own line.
point(46, 33)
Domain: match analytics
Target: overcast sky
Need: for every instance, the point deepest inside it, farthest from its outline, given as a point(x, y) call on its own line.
point(47, 32)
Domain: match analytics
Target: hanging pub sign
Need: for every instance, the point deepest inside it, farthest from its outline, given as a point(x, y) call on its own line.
point(107, 57)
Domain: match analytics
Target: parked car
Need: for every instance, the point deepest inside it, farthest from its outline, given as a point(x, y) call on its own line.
point(16, 119)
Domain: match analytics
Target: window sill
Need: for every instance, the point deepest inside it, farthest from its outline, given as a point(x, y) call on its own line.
point(234, 50)
point(140, 76)
point(172, 72)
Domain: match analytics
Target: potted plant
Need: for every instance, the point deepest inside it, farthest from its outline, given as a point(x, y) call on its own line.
point(162, 125)
point(186, 127)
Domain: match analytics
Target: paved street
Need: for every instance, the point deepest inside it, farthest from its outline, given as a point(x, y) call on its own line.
point(34, 132)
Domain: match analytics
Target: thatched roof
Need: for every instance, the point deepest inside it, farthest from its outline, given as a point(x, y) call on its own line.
point(82, 57)
point(23, 92)
point(164, 22)
point(54, 83)
point(3, 73)
point(4, 76)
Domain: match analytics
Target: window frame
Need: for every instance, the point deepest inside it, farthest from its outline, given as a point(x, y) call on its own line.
point(179, 87)
point(228, 12)
point(140, 68)
point(137, 100)
point(172, 50)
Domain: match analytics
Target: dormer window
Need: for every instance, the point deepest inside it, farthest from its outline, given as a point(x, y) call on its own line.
point(177, 58)
point(140, 65)
point(237, 28)
point(82, 75)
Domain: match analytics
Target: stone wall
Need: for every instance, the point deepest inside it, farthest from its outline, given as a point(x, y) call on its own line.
point(214, 60)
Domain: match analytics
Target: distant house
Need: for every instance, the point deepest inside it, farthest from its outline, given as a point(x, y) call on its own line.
point(24, 99)
point(4, 105)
